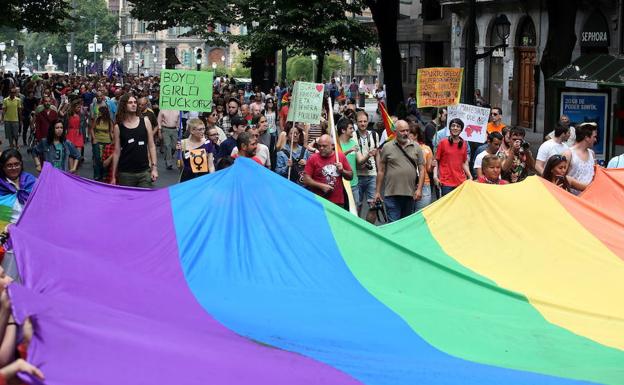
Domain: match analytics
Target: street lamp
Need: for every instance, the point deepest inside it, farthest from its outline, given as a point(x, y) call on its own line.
point(127, 49)
point(68, 48)
point(84, 66)
point(155, 60)
point(502, 27)
point(2, 48)
point(214, 66)
point(38, 58)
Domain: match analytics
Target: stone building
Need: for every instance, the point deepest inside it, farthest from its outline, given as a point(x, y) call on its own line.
point(511, 77)
point(147, 48)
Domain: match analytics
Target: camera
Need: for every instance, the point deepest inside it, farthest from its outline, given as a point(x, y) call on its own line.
point(369, 164)
point(525, 145)
point(377, 205)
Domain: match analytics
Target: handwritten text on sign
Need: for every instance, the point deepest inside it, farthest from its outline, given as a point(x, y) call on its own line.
point(306, 103)
point(438, 87)
point(186, 90)
point(475, 121)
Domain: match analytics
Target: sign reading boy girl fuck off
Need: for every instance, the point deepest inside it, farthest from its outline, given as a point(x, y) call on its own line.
point(186, 90)
point(306, 103)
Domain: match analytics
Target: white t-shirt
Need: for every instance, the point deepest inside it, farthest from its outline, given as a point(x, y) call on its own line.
point(550, 148)
point(262, 152)
point(479, 159)
point(616, 162)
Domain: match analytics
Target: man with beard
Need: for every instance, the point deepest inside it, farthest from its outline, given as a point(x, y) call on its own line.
point(401, 164)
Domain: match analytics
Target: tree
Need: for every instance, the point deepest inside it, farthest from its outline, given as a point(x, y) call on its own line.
point(318, 27)
point(386, 15)
point(34, 15)
point(93, 18)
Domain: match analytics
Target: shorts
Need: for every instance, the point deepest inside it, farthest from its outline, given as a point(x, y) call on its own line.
point(366, 186)
point(11, 130)
point(135, 179)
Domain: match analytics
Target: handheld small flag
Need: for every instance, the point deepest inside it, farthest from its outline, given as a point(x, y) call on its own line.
point(388, 123)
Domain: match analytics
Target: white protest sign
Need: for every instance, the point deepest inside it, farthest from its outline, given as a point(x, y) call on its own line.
point(475, 121)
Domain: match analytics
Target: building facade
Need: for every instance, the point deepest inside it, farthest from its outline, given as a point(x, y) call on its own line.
point(511, 77)
point(147, 48)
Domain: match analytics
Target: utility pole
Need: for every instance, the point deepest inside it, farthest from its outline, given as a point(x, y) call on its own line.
point(72, 39)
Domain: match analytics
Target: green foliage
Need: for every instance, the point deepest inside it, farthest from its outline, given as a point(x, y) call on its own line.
point(318, 27)
point(34, 15)
point(300, 67)
point(88, 14)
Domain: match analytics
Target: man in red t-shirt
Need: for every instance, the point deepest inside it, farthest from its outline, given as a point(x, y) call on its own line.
point(323, 175)
point(452, 168)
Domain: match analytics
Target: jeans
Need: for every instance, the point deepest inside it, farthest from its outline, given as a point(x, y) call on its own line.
point(398, 206)
point(356, 196)
point(447, 189)
point(366, 187)
point(99, 172)
point(426, 198)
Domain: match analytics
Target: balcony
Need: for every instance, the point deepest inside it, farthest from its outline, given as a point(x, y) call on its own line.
point(150, 36)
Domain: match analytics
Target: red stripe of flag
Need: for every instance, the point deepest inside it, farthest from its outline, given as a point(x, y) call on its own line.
point(388, 123)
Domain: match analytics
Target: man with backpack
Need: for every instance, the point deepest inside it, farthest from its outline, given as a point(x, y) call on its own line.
point(368, 142)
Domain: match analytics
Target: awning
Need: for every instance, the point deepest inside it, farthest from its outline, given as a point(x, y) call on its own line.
point(592, 72)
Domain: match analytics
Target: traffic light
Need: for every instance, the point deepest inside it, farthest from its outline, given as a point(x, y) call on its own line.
point(199, 58)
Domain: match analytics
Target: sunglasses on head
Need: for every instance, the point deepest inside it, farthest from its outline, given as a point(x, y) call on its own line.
point(559, 158)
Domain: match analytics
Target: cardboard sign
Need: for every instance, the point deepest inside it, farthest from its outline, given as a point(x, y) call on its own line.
point(475, 121)
point(198, 160)
point(438, 87)
point(306, 103)
point(186, 90)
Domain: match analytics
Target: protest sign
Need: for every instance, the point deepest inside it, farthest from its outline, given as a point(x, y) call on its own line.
point(186, 90)
point(306, 103)
point(438, 87)
point(475, 121)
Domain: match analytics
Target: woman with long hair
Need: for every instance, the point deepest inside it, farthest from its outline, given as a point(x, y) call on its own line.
point(555, 171)
point(270, 113)
point(101, 133)
point(294, 157)
point(451, 168)
point(73, 122)
point(57, 150)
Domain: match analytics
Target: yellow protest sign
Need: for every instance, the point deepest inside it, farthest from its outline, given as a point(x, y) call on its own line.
point(438, 87)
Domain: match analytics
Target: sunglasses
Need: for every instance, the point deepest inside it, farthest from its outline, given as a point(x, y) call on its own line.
point(559, 158)
point(494, 113)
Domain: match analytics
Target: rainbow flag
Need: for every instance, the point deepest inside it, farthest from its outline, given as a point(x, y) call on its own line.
point(204, 282)
point(387, 121)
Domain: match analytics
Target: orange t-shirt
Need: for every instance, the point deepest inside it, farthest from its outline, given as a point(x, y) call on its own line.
point(491, 127)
